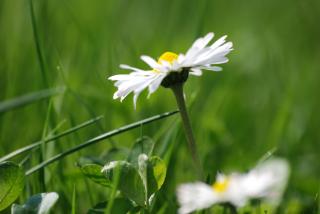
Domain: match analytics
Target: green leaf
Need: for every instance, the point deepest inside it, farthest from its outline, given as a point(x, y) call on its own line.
point(37, 204)
point(11, 183)
point(120, 206)
point(152, 171)
point(29, 98)
point(156, 174)
point(93, 172)
point(129, 180)
point(143, 145)
point(126, 176)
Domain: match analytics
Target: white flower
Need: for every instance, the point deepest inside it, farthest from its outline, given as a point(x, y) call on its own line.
point(266, 181)
point(198, 57)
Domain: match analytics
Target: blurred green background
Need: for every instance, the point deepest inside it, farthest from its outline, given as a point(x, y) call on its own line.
point(266, 98)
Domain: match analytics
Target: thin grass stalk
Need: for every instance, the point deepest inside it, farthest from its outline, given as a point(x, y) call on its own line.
point(26, 99)
point(37, 44)
point(51, 139)
point(42, 153)
point(114, 190)
point(98, 139)
point(73, 205)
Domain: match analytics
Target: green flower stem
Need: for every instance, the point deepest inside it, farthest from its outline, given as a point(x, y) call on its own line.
point(228, 208)
point(233, 209)
point(178, 92)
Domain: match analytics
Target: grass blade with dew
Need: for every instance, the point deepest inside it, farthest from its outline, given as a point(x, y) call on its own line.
point(100, 138)
point(55, 137)
point(267, 155)
point(29, 98)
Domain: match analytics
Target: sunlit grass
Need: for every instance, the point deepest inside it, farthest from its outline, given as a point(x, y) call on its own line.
point(265, 99)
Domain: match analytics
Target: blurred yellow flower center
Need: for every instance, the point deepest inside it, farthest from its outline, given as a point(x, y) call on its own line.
point(168, 56)
point(221, 186)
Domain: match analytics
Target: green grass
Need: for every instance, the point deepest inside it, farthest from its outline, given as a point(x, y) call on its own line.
point(265, 99)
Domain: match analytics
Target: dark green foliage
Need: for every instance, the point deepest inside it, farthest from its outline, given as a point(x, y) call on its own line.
point(93, 171)
point(265, 99)
point(12, 180)
point(121, 206)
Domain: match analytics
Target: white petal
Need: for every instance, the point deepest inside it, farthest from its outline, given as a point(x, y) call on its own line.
point(150, 61)
point(126, 88)
point(166, 64)
point(139, 89)
point(196, 71)
point(155, 84)
point(120, 77)
point(216, 56)
point(203, 41)
point(198, 45)
point(211, 68)
point(181, 58)
point(218, 42)
point(195, 196)
point(267, 180)
point(46, 202)
point(127, 67)
point(234, 194)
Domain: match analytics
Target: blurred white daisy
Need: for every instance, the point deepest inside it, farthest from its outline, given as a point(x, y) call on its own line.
point(266, 181)
point(200, 56)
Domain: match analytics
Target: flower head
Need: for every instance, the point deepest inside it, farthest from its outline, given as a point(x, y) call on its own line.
point(199, 57)
point(265, 181)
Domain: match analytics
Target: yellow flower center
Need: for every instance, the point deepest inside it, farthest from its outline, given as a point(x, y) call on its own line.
point(168, 56)
point(221, 186)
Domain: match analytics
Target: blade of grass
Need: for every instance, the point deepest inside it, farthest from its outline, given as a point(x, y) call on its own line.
point(73, 207)
point(166, 136)
point(25, 159)
point(37, 44)
point(42, 153)
point(89, 191)
point(28, 156)
point(113, 192)
point(267, 155)
point(29, 98)
point(37, 144)
point(100, 138)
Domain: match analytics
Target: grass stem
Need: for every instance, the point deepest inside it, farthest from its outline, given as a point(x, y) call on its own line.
point(98, 139)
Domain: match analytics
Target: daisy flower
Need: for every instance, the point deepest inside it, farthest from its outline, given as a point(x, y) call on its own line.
point(266, 181)
point(200, 56)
